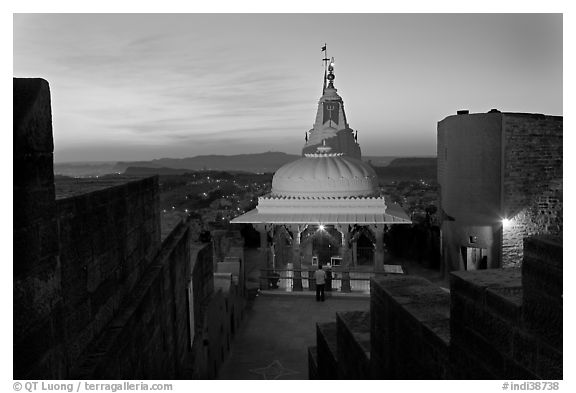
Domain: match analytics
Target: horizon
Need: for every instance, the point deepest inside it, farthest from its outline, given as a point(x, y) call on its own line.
point(142, 86)
point(226, 155)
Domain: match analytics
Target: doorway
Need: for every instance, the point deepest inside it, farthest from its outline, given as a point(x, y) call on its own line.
point(474, 258)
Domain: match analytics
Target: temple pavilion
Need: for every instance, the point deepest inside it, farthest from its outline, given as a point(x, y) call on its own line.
point(326, 206)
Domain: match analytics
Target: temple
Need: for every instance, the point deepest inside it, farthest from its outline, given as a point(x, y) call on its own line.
point(325, 208)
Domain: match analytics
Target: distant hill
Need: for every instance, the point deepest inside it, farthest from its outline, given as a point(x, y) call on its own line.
point(84, 169)
point(258, 162)
point(261, 162)
point(413, 162)
point(144, 171)
point(138, 170)
point(255, 163)
point(408, 168)
point(378, 160)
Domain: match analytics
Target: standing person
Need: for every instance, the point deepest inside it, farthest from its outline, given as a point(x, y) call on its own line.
point(320, 277)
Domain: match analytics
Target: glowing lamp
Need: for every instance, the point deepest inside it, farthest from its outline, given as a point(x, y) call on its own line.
point(506, 222)
point(321, 227)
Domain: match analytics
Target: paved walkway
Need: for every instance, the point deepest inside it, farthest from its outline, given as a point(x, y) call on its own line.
point(274, 337)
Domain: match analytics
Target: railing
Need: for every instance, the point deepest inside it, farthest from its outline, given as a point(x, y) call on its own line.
point(303, 280)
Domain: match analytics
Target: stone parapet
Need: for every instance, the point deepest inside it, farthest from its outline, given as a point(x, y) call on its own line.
point(410, 329)
point(37, 280)
point(353, 338)
point(485, 314)
point(313, 363)
point(494, 324)
point(327, 350)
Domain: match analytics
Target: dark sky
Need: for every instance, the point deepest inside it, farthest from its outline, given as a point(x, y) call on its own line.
point(144, 86)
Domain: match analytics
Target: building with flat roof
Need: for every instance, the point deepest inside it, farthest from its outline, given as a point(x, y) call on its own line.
point(500, 177)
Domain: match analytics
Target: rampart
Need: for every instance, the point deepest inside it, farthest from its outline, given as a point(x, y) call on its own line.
point(97, 293)
point(493, 324)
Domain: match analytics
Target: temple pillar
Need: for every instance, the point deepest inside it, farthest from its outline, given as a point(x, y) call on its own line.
point(378, 231)
point(296, 231)
point(345, 252)
point(265, 260)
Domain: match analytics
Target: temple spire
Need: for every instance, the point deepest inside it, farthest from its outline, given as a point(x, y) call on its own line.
point(330, 123)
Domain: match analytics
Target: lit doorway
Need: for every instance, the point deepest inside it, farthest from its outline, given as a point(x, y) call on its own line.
point(474, 258)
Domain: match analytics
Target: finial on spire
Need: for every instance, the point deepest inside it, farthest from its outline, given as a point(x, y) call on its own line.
point(331, 75)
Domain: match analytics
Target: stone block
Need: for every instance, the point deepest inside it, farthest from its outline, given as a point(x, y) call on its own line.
point(540, 278)
point(31, 346)
point(35, 297)
point(506, 303)
point(353, 338)
point(33, 171)
point(525, 350)
point(464, 366)
point(33, 205)
point(313, 363)
point(26, 249)
point(481, 351)
point(327, 350)
point(48, 230)
point(544, 317)
point(550, 364)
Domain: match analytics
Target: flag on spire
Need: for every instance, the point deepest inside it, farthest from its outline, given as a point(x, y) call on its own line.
point(324, 48)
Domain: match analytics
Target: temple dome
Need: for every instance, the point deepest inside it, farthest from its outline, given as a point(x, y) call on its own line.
point(325, 175)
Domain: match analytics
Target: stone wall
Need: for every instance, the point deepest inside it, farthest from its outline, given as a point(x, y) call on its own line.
point(38, 330)
point(543, 305)
point(485, 315)
point(149, 337)
point(353, 340)
point(507, 323)
point(327, 350)
point(532, 181)
point(225, 313)
point(410, 329)
point(108, 238)
point(494, 324)
point(96, 294)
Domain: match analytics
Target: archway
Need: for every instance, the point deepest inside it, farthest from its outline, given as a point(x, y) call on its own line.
point(365, 250)
point(326, 242)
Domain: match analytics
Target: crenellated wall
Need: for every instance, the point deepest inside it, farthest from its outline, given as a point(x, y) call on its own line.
point(149, 336)
point(410, 329)
point(97, 293)
point(494, 324)
point(108, 238)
